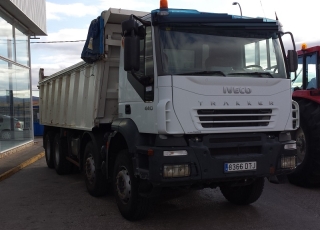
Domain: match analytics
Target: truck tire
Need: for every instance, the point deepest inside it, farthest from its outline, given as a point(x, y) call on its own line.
point(61, 164)
point(243, 195)
point(131, 204)
point(49, 149)
point(307, 137)
point(96, 182)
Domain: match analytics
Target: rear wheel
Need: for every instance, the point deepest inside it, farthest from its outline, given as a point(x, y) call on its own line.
point(131, 204)
point(61, 164)
point(96, 182)
point(243, 195)
point(49, 151)
point(307, 137)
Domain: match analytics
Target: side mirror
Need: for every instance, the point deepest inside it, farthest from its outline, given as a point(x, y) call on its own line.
point(132, 53)
point(130, 31)
point(292, 58)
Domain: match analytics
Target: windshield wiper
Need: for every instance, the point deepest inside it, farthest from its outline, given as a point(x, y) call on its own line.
point(214, 73)
point(260, 74)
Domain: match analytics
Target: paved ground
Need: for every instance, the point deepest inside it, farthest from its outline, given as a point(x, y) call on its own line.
point(36, 198)
point(11, 163)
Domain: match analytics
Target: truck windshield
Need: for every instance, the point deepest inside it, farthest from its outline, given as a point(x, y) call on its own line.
point(220, 52)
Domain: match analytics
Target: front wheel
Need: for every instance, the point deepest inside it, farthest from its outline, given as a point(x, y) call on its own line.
point(243, 195)
point(131, 204)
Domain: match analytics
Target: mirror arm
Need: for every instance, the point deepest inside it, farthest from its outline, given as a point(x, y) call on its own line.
point(292, 39)
point(145, 23)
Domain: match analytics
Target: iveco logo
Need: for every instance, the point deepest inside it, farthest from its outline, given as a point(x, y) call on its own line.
point(237, 90)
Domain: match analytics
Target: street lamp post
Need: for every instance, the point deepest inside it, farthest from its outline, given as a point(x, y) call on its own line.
point(236, 3)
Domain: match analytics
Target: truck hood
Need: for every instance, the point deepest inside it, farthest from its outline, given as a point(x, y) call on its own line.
point(205, 104)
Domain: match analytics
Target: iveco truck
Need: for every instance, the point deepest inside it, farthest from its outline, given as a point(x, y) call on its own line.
point(173, 98)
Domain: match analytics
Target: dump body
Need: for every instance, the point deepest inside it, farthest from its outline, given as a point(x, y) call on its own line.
point(86, 95)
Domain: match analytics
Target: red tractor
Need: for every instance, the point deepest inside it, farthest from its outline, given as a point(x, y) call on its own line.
point(306, 91)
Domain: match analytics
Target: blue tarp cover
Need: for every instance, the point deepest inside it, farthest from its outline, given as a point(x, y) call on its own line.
point(93, 49)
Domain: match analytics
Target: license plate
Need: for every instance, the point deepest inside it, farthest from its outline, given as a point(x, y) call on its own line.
point(240, 166)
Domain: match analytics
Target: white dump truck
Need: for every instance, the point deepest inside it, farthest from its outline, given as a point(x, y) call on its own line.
point(173, 98)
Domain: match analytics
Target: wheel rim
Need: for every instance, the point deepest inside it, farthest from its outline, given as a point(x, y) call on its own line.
point(57, 154)
point(301, 146)
point(48, 149)
point(6, 135)
point(90, 169)
point(123, 183)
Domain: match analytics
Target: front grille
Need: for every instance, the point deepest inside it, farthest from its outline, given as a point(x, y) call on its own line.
point(223, 118)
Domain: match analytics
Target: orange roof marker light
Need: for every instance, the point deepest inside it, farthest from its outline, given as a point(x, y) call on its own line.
point(304, 46)
point(163, 4)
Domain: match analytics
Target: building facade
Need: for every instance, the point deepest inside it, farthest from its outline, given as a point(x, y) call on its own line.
point(20, 21)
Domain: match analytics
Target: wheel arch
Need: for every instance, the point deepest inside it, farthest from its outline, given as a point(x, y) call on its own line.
point(125, 136)
point(129, 132)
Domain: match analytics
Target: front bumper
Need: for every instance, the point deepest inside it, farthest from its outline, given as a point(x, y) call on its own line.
point(207, 157)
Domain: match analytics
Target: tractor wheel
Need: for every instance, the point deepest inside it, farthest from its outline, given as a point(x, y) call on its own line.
point(307, 137)
point(243, 195)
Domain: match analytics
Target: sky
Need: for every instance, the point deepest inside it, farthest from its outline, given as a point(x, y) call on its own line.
point(69, 20)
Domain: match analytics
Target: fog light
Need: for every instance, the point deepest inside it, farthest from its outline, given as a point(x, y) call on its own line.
point(175, 153)
point(176, 170)
point(292, 146)
point(288, 162)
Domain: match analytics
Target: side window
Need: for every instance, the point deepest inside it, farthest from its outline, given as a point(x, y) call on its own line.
point(311, 80)
point(298, 80)
point(1, 120)
point(148, 54)
point(146, 92)
point(311, 61)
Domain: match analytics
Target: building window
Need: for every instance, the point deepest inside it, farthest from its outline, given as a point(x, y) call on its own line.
point(6, 39)
point(22, 47)
point(15, 95)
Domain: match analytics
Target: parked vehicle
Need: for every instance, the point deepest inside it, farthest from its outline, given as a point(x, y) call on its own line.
point(6, 131)
point(306, 92)
point(173, 98)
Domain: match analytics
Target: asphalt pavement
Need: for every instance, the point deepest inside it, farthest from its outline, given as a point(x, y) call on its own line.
point(24, 156)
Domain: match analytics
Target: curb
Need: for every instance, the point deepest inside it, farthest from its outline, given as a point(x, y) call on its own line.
point(21, 166)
